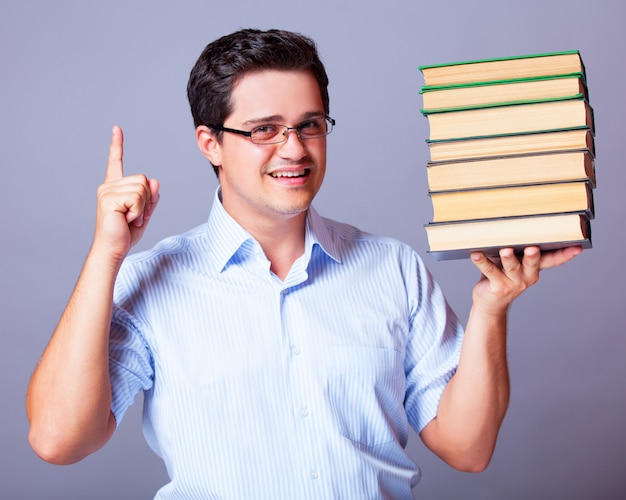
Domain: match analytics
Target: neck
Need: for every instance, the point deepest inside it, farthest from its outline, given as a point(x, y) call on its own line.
point(282, 239)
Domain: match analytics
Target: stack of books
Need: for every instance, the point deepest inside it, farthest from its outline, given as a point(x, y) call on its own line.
point(511, 154)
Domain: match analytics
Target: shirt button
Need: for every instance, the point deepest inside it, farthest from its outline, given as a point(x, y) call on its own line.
point(314, 474)
point(304, 411)
point(295, 351)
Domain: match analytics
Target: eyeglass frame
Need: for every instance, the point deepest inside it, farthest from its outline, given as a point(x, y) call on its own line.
point(330, 123)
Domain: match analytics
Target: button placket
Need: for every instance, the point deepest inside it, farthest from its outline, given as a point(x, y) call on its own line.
point(299, 387)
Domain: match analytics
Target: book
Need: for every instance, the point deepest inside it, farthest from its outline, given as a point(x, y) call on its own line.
point(511, 119)
point(477, 94)
point(455, 240)
point(534, 168)
point(535, 142)
point(504, 68)
point(512, 201)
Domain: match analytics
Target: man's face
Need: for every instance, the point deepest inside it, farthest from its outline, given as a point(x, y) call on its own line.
point(271, 182)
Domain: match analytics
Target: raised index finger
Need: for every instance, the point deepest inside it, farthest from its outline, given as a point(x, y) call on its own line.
point(115, 170)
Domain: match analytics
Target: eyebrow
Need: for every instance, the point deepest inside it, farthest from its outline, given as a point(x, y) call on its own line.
point(278, 119)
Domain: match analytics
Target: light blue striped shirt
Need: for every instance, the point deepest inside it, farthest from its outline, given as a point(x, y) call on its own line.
point(302, 389)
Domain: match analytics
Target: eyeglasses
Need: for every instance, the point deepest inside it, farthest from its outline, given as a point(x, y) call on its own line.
point(271, 133)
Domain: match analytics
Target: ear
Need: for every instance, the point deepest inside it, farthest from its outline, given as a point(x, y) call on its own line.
point(208, 145)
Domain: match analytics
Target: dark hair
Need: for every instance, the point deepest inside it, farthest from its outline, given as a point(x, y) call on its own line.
point(226, 60)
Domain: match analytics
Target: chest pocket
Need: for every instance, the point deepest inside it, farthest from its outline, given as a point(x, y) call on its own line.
point(365, 389)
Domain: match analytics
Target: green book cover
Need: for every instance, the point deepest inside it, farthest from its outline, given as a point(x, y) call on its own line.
point(497, 59)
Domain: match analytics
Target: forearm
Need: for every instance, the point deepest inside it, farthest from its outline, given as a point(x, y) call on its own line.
point(475, 401)
point(69, 397)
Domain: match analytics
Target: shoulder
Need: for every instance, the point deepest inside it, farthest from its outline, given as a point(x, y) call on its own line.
point(349, 238)
point(362, 252)
point(168, 248)
point(172, 255)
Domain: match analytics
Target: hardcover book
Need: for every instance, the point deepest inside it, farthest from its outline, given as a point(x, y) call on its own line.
point(503, 68)
point(512, 201)
point(479, 94)
point(534, 142)
point(512, 119)
point(534, 168)
point(455, 240)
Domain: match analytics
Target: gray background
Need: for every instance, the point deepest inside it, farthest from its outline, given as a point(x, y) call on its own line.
point(70, 70)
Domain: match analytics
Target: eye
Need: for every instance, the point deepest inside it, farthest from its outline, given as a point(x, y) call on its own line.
point(264, 131)
point(311, 127)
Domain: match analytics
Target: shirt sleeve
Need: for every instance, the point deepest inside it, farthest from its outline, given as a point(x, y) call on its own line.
point(130, 362)
point(433, 347)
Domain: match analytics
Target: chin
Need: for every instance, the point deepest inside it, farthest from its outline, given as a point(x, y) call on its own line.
point(293, 208)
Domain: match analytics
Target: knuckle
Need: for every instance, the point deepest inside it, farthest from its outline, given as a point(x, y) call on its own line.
point(487, 268)
point(137, 198)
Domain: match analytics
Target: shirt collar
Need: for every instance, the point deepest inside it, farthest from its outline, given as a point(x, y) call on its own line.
point(227, 239)
point(317, 233)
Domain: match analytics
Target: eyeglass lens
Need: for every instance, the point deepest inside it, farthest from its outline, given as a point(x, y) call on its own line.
point(310, 129)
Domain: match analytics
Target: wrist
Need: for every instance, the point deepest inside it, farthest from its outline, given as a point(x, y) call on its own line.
point(104, 259)
point(496, 311)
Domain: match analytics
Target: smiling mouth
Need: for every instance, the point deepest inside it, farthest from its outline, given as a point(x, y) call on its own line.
point(296, 173)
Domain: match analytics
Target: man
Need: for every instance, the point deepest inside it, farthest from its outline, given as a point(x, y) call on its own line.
point(281, 354)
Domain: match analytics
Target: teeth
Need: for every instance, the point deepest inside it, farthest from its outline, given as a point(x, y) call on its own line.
point(288, 174)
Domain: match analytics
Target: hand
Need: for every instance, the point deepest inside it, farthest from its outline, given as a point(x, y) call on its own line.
point(125, 204)
point(500, 285)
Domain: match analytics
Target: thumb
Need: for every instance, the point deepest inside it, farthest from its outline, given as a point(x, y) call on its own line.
point(154, 198)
